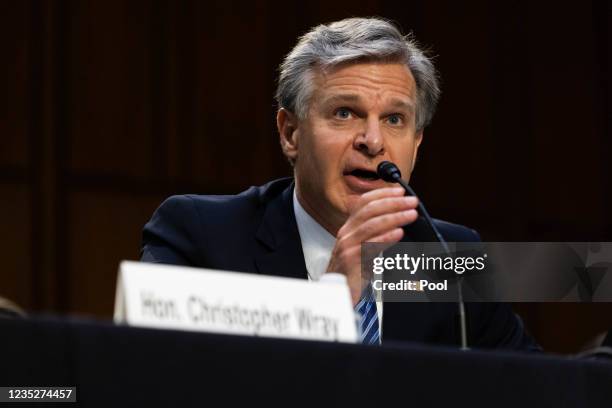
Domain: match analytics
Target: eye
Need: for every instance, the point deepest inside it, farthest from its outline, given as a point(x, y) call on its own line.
point(395, 119)
point(343, 113)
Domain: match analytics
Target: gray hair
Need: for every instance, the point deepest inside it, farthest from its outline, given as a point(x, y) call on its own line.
point(352, 40)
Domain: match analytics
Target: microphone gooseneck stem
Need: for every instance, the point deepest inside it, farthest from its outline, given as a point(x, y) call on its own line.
point(390, 173)
point(425, 215)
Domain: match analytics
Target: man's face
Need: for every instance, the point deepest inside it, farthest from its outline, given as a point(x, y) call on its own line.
point(360, 114)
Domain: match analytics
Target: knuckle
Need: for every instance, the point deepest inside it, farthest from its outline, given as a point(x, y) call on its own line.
point(398, 203)
point(398, 218)
point(365, 230)
point(370, 207)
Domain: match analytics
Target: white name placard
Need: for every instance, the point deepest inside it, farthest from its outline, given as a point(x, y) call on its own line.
point(176, 297)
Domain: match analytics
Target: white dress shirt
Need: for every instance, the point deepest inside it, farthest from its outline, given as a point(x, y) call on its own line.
point(317, 246)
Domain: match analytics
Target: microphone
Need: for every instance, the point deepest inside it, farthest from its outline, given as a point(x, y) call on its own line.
point(390, 173)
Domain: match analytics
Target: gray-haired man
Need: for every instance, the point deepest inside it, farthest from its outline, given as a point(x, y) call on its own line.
point(351, 94)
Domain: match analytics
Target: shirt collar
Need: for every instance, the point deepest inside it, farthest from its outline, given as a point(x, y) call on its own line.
point(317, 242)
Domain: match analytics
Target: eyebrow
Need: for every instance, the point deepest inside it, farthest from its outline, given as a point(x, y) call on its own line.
point(397, 103)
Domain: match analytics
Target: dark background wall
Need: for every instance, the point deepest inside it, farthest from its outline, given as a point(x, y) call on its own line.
point(108, 107)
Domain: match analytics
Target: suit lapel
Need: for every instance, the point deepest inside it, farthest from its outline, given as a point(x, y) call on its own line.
point(281, 248)
point(418, 231)
point(397, 315)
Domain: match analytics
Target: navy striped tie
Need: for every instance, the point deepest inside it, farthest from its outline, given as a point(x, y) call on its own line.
point(370, 332)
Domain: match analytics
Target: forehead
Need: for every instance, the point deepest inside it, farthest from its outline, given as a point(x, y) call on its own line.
point(379, 80)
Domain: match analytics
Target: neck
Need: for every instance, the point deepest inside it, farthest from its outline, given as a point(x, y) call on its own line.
point(330, 223)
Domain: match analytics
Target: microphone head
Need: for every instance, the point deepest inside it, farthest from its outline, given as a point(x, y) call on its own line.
point(388, 172)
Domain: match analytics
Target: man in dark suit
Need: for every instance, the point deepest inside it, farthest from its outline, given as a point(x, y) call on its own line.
point(351, 94)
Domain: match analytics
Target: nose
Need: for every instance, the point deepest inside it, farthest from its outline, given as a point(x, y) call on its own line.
point(370, 140)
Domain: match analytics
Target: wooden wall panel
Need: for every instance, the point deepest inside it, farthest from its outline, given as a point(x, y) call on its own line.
point(456, 148)
point(108, 93)
point(103, 229)
point(566, 118)
point(14, 69)
point(233, 94)
point(16, 281)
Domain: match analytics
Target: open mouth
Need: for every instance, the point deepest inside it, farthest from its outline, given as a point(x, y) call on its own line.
point(364, 174)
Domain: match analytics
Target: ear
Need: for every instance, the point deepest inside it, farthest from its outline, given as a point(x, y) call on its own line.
point(287, 125)
point(418, 138)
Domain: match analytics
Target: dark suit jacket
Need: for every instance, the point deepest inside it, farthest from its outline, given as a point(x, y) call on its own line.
point(256, 232)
